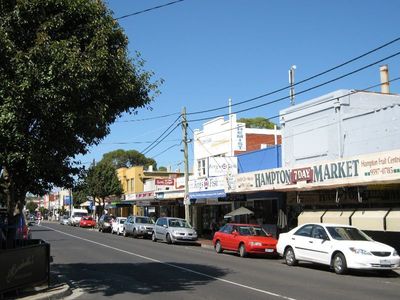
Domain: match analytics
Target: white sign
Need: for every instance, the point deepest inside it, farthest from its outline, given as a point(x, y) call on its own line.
point(222, 166)
point(371, 168)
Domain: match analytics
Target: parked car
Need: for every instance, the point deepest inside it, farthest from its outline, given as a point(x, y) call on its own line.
point(87, 221)
point(22, 232)
point(340, 246)
point(118, 225)
point(138, 226)
point(76, 215)
point(172, 230)
point(64, 220)
point(244, 239)
point(105, 223)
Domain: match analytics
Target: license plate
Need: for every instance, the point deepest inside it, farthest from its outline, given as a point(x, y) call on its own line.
point(385, 263)
point(269, 250)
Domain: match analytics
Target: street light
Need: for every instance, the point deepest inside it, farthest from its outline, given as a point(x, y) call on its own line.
point(291, 82)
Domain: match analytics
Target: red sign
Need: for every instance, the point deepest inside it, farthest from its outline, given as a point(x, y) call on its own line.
point(304, 174)
point(164, 181)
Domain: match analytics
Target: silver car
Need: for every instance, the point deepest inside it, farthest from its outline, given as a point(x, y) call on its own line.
point(64, 220)
point(138, 226)
point(173, 230)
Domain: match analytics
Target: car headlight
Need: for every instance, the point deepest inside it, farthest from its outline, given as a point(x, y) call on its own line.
point(395, 253)
point(141, 227)
point(255, 244)
point(359, 251)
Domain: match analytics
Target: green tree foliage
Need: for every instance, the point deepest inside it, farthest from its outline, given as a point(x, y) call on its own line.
point(258, 122)
point(121, 158)
point(65, 76)
point(102, 181)
point(31, 206)
point(164, 169)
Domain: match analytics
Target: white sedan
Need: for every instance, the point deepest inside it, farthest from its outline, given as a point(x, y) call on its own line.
point(340, 246)
point(118, 225)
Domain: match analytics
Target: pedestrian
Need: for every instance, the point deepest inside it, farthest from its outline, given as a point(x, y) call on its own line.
point(39, 218)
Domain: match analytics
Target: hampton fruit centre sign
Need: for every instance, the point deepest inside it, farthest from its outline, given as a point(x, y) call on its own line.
point(382, 167)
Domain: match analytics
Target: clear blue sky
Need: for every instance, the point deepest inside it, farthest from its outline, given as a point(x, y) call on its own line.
point(208, 51)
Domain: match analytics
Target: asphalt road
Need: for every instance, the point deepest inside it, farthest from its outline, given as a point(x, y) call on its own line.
point(99, 265)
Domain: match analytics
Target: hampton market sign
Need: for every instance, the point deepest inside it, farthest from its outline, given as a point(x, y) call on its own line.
point(371, 168)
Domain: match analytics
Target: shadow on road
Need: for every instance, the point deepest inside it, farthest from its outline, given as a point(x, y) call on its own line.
point(142, 278)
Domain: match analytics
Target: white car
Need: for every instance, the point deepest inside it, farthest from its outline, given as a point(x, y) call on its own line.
point(118, 225)
point(342, 247)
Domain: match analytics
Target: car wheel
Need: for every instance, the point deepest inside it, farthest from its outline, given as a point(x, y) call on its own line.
point(153, 237)
point(290, 257)
point(218, 247)
point(242, 250)
point(339, 263)
point(99, 229)
point(134, 233)
point(168, 238)
point(124, 233)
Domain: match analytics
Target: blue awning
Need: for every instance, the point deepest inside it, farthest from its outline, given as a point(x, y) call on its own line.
point(207, 194)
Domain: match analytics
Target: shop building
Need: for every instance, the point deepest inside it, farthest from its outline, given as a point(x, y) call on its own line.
point(215, 166)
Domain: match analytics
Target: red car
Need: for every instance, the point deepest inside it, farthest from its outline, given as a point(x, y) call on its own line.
point(87, 222)
point(245, 239)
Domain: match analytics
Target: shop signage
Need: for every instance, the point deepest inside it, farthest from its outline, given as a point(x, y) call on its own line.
point(130, 197)
point(164, 181)
point(377, 167)
point(207, 194)
point(220, 166)
point(145, 195)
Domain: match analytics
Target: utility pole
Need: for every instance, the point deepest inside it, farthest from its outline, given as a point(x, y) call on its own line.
point(186, 200)
point(291, 82)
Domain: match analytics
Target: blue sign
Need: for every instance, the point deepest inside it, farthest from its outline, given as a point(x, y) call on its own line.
point(67, 200)
point(207, 194)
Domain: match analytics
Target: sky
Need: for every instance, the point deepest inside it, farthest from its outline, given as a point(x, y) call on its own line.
point(209, 51)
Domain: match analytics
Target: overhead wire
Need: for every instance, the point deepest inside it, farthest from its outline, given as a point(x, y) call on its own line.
point(156, 141)
point(303, 91)
point(148, 9)
point(301, 81)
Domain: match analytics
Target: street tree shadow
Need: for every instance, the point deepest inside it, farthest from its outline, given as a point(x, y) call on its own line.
point(136, 278)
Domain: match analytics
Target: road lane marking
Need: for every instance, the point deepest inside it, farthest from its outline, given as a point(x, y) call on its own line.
point(176, 266)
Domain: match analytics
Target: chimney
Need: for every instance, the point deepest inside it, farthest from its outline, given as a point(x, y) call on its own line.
point(384, 70)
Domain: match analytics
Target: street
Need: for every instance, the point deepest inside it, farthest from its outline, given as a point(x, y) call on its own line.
point(98, 265)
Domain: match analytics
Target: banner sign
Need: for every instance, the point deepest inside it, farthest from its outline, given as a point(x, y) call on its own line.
point(364, 169)
point(164, 181)
point(222, 166)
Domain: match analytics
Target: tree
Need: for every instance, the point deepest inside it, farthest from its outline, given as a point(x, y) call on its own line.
point(258, 122)
point(102, 181)
point(31, 206)
point(65, 76)
point(121, 158)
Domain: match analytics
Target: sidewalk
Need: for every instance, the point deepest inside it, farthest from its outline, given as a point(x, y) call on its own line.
point(205, 243)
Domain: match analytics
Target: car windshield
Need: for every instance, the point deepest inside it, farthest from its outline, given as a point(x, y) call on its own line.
point(178, 223)
point(347, 233)
point(252, 230)
point(79, 214)
point(144, 220)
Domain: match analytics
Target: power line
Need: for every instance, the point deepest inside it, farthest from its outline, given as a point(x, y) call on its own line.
point(148, 9)
point(303, 91)
point(150, 118)
point(327, 100)
point(161, 138)
point(137, 142)
point(165, 150)
point(302, 81)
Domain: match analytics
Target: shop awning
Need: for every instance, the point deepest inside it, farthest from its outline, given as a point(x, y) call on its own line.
point(393, 220)
point(241, 211)
point(337, 217)
point(369, 219)
point(311, 217)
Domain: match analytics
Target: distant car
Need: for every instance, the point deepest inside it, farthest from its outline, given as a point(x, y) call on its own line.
point(138, 226)
point(245, 239)
point(341, 247)
point(64, 220)
point(118, 225)
point(87, 221)
point(105, 223)
point(173, 230)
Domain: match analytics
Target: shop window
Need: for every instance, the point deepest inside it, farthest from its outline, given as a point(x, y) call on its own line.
point(201, 167)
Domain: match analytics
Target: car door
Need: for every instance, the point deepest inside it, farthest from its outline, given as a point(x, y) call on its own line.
point(320, 245)
point(300, 242)
point(159, 228)
point(226, 237)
